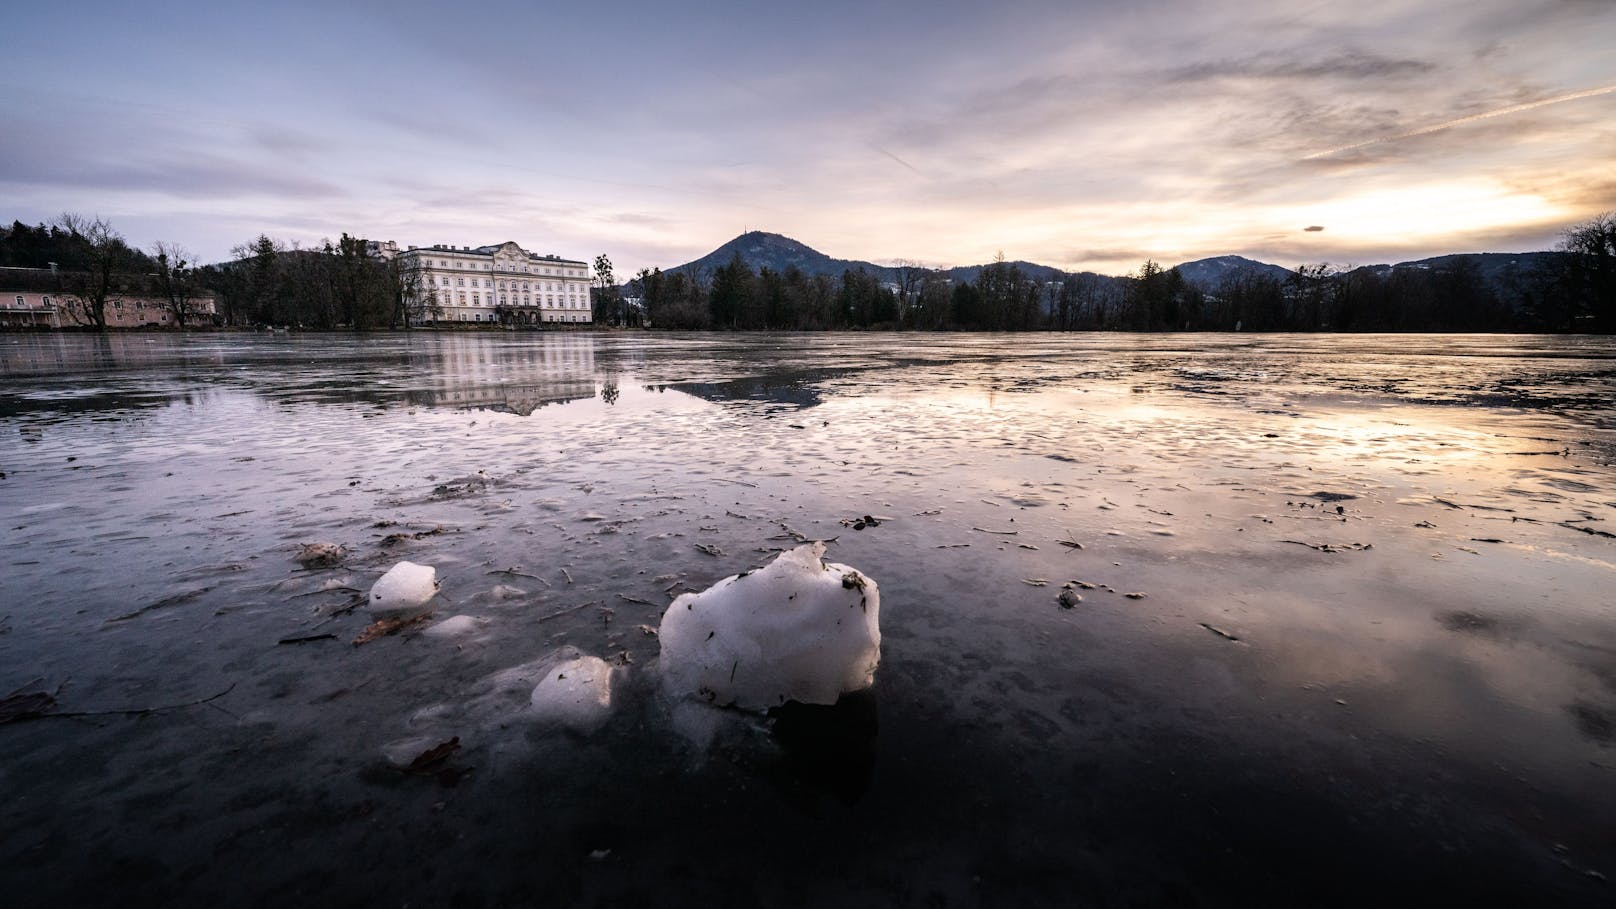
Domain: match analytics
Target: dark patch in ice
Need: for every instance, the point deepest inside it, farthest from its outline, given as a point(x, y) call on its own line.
point(1467, 622)
point(1596, 721)
point(830, 747)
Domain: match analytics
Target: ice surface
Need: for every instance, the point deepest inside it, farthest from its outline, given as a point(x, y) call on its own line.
point(800, 629)
point(1454, 656)
point(405, 587)
point(577, 693)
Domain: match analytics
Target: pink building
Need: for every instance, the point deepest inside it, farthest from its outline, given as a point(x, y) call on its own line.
point(40, 309)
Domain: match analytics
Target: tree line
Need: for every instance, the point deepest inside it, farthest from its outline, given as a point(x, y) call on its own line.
point(1572, 290)
point(338, 284)
point(335, 285)
point(88, 264)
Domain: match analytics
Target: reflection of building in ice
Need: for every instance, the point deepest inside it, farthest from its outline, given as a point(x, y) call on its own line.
point(498, 373)
point(502, 283)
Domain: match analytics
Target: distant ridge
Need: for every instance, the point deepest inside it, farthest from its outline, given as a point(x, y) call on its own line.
point(1493, 267)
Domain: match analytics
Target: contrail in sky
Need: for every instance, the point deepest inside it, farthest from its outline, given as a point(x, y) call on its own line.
point(896, 158)
point(1513, 109)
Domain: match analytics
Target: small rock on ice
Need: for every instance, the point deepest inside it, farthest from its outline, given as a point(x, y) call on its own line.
point(405, 587)
point(799, 629)
point(577, 693)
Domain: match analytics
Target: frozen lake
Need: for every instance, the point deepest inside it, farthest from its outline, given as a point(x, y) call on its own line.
point(1347, 629)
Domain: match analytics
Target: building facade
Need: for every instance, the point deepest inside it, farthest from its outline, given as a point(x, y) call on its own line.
point(37, 309)
point(503, 284)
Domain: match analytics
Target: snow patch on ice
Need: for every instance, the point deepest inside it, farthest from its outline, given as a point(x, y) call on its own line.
point(799, 629)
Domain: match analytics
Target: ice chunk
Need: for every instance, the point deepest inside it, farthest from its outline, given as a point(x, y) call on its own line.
point(455, 626)
point(577, 693)
point(405, 587)
point(800, 629)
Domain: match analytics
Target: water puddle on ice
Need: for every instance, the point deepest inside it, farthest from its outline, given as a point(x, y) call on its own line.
point(1153, 610)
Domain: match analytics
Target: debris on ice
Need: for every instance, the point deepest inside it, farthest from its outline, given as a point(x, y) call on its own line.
point(401, 752)
point(405, 587)
point(576, 693)
point(321, 555)
point(799, 629)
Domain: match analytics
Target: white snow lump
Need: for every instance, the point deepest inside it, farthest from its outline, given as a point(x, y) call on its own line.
point(405, 588)
point(799, 629)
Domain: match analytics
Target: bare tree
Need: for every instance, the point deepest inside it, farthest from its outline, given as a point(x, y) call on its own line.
point(416, 299)
point(90, 292)
point(909, 274)
point(1593, 269)
point(176, 282)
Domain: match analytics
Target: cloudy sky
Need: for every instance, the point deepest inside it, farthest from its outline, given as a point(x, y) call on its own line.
point(1082, 134)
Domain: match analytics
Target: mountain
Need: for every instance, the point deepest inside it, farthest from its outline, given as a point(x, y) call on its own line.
point(1209, 274)
point(758, 249)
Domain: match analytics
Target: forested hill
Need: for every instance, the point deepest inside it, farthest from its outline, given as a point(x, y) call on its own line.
point(1490, 267)
point(760, 250)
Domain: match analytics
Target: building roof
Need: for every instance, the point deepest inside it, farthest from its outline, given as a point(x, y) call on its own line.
point(489, 251)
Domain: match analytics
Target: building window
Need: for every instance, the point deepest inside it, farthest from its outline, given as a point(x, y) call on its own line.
point(19, 300)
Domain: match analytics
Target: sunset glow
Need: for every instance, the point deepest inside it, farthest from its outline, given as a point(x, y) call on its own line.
point(1088, 136)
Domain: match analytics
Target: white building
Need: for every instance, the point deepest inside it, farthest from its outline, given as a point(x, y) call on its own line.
point(504, 284)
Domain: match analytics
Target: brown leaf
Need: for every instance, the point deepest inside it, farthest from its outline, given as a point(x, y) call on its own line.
point(384, 627)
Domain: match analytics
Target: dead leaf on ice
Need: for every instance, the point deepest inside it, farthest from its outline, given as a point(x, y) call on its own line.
point(431, 761)
point(383, 627)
